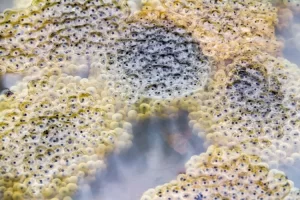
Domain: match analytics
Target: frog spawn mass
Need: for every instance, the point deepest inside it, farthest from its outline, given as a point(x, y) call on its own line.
point(250, 104)
point(224, 173)
point(225, 29)
point(93, 31)
point(249, 108)
point(57, 31)
point(161, 60)
point(56, 131)
point(53, 34)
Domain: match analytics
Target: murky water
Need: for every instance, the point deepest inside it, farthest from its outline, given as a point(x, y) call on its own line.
point(4, 4)
point(150, 161)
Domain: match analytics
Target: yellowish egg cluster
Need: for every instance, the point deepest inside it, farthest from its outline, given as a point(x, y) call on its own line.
point(156, 57)
point(213, 58)
point(223, 28)
point(57, 129)
point(60, 31)
point(253, 103)
point(225, 173)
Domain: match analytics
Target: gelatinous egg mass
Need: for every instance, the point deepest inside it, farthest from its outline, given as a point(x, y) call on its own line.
point(162, 61)
point(90, 69)
point(57, 32)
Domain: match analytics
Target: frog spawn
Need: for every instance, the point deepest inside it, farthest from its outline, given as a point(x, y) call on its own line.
point(250, 104)
point(55, 132)
point(161, 60)
point(224, 28)
point(63, 32)
point(250, 111)
point(225, 173)
point(67, 33)
point(38, 53)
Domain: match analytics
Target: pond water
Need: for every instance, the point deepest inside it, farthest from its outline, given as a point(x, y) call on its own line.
point(5, 4)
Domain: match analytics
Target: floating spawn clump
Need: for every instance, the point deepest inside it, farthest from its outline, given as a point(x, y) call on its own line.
point(224, 29)
point(55, 130)
point(218, 60)
point(161, 60)
point(58, 31)
point(253, 103)
point(224, 173)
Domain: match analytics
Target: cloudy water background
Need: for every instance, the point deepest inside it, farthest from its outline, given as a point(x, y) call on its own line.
point(4, 4)
point(162, 146)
